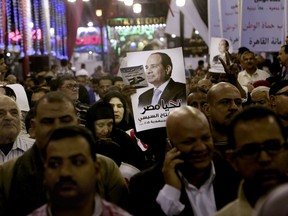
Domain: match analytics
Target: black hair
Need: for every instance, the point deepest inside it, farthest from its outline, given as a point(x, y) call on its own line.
point(54, 97)
point(285, 48)
point(71, 132)
point(62, 79)
point(165, 59)
point(30, 115)
point(248, 114)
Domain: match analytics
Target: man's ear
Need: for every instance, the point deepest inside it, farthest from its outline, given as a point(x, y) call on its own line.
point(97, 168)
point(33, 123)
point(206, 109)
point(272, 100)
point(168, 70)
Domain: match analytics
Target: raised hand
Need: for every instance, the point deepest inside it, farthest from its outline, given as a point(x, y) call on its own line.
point(231, 69)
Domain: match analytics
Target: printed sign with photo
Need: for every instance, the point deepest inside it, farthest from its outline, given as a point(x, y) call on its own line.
point(134, 76)
point(166, 90)
point(218, 48)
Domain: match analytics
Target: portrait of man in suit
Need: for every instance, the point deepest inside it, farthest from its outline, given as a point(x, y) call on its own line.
point(223, 47)
point(158, 73)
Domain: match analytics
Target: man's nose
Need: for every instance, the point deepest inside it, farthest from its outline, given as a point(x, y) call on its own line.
point(234, 106)
point(264, 158)
point(66, 169)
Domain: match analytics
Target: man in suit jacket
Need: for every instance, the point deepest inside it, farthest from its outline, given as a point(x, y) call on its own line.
point(158, 72)
point(192, 180)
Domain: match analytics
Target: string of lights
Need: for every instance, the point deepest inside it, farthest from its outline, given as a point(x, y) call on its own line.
point(1, 27)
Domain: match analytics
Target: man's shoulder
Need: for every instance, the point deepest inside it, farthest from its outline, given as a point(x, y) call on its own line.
point(262, 72)
point(230, 209)
point(23, 142)
point(242, 73)
point(175, 84)
point(147, 92)
point(149, 177)
point(41, 211)
point(112, 209)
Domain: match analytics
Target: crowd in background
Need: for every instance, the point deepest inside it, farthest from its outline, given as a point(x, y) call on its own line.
point(243, 111)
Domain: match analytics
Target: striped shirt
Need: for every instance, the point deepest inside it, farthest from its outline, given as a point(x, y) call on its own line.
point(21, 144)
point(102, 208)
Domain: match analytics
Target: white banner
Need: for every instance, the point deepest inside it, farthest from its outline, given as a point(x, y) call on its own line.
point(213, 19)
point(262, 27)
point(228, 11)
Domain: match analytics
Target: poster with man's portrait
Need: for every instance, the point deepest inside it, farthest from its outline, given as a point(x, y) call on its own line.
point(218, 47)
point(164, 72)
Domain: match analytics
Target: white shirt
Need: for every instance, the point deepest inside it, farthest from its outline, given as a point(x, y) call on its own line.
point(245, 78)
point(21, 144)
point(202, 200)
point(161, 88)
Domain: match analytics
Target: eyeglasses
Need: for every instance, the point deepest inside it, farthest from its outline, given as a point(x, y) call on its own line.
point(283, 93)
point(252, 151)
point(71, 86)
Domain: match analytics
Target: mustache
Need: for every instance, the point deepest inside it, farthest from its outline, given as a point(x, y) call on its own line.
point(65, 180)
point(196, 154)
point(9, 123)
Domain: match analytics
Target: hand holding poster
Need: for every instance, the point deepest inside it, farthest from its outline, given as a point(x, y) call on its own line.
point(165, 74)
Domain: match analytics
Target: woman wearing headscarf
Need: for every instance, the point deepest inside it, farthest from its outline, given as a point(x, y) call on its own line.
point(101, 121)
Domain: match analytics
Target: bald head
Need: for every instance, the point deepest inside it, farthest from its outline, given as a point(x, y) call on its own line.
point(188, 131)
point(183, 117)
point(219, 89)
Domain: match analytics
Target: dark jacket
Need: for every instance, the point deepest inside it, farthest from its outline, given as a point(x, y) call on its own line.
point(22, 189)
point(173, 91)
point(145, 186)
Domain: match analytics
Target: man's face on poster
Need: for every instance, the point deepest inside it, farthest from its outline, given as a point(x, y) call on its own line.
point(155, 72)
point(223, 46)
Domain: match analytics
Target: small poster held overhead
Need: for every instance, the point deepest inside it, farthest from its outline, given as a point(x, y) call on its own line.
point(165, 75)
point(218, 47)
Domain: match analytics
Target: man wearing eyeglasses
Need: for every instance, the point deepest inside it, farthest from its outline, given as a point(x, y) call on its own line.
point(279, 101)
point(68, 85)
point(258, 145)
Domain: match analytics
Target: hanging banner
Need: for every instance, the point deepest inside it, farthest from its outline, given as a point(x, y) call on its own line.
point(213, 19)
point(229, 22)
point(262, 27)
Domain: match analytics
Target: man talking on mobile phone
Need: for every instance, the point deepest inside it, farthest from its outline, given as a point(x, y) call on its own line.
point(192, 179)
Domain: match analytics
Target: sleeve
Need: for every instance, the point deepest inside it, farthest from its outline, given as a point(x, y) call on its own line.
point(111, 184)
point(168, 199)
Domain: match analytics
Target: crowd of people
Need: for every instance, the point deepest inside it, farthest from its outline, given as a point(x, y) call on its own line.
point(76, 151)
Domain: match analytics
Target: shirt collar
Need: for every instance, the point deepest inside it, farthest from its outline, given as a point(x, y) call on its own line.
point(207, 183)
point(163, 86)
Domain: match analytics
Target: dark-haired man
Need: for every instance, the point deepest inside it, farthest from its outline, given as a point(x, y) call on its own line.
point(21, 180)
point(158, 72)
point(71, 172)
point(283, 59)
point(279, 101)
point(258, 146)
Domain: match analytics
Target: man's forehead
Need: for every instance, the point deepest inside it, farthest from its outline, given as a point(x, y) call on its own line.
point(7, 101)
point(66, 148)
point(69, 81)
point(105, 82)
point(154, 58)
point(45, 107)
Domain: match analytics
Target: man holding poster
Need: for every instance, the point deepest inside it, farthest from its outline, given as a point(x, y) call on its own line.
point(158, 72)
